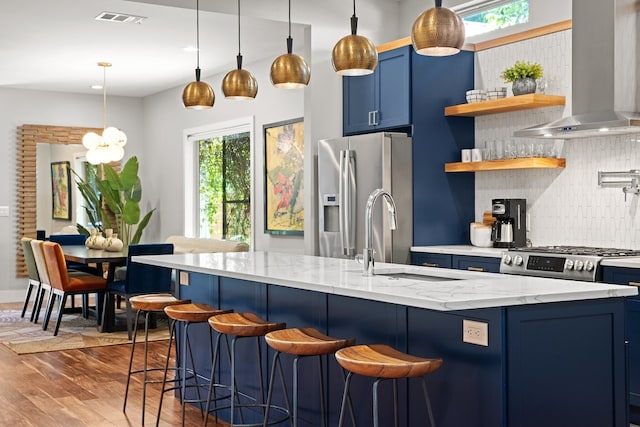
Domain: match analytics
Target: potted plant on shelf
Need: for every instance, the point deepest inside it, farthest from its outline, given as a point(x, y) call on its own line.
point(523, 75)
point(115, 195)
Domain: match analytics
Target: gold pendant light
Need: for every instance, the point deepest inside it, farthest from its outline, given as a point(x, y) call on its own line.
point(354, 55)
point(290, 71)
point(438, 32)
point(108, 147)
point(239, 84)
point(198, 95)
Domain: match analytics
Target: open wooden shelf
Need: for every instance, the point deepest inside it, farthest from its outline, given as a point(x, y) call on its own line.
point(504, 105)
point(494, 165)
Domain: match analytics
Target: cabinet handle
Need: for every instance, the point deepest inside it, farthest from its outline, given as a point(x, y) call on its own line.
point(375, 118)
point(634, 283)
point(370, 121)
point(429, 264)
point(478, 269)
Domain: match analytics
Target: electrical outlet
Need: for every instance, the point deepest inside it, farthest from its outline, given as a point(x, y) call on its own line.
point(184, 278)
point(475, 332)
point(4, 210)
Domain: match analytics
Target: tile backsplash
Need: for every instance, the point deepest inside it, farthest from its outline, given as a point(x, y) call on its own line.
point(565, 206)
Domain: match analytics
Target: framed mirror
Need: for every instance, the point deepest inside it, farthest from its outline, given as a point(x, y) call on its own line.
point(28, 136)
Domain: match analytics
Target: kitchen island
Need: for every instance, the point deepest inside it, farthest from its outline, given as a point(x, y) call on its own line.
point(553, 352)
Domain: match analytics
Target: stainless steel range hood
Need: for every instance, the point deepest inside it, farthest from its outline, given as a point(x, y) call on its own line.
point(603, 73)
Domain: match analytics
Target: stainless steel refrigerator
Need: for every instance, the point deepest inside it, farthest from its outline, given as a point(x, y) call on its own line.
point(349, 169)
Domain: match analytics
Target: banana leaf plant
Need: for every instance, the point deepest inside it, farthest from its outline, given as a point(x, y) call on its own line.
point(118, 193)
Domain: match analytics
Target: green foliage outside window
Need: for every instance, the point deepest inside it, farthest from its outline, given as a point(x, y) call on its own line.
point(225, 187)
point(506, 15)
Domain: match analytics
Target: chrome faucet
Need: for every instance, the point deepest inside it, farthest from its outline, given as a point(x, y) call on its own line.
point(368, 252)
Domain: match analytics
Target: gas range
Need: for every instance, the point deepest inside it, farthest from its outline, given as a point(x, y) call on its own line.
point(561, 262)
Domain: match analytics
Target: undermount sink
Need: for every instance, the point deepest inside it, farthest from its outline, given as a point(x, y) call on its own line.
point(414, 276)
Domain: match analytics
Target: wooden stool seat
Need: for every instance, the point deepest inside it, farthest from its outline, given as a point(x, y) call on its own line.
point(243, 324)
point(305, 342)
point(155, 302)
point(382, 361)
point(194, 313)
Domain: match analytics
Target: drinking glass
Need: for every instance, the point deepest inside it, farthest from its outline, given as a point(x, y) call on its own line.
point(499, 149)
point(490, 150)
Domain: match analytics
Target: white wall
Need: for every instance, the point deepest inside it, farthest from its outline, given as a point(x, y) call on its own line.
point(165, 119)
point(566, 206)
point(18, 107)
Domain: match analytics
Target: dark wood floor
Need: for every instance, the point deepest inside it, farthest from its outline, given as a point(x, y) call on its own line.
point(82, 387)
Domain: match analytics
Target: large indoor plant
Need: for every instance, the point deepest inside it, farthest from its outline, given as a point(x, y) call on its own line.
point(523, 75)
point(116, 195)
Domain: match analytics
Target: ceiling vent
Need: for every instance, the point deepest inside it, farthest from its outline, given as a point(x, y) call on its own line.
point(120, 17)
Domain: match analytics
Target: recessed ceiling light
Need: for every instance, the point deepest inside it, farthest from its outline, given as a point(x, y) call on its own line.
point(96, 87)
point(190, 49)
point(122, 18)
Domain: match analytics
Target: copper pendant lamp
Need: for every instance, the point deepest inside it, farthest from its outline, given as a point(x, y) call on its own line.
point(198, 95)
point(290, 71)
point(239, 84)
point(354, 55)
point(438, 32)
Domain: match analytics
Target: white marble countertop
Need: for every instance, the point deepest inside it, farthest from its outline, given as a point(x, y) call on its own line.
point(445, 290)
point(460, 250)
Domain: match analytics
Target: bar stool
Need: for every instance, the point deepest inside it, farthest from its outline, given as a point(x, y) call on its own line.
point(300, 342)
point(383, 362)
point(147, 305)
point(241, 325)
point(187, 314)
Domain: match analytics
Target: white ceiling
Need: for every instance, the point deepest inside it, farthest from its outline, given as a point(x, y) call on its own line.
point(55, 45)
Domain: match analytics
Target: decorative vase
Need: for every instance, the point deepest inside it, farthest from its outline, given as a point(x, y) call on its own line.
point(524, 86)
point(114, 244)
point(101, 241)
point(91, 240)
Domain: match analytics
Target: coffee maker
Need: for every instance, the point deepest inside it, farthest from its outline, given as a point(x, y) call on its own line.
point(510, 228)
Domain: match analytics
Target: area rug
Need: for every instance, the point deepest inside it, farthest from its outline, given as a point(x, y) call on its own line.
point(24, 337)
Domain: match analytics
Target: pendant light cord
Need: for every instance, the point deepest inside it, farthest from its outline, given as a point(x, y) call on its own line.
point(289, 18)
point(354, 20)
point(198, 34)
point(239, 28)
point(104, 97)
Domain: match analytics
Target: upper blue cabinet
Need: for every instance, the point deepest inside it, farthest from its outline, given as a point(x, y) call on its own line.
point(381, 100)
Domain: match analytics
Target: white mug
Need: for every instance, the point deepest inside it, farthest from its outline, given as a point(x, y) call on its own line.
point(476, 155)
point(465, 155)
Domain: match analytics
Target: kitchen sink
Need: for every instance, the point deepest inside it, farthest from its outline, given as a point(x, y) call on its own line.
point(415, 276)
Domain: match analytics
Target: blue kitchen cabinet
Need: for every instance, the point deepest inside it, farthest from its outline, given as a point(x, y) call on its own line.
point(476, 263)
point(443, 204)
point(458, 262)
point(431, 260)
point(626, 276)
point(381, 100)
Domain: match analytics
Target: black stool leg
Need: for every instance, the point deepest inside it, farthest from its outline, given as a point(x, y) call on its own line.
point(133, 348)
point(428, 402)
point(277, 363)
point(345, 396)
point(172, 333)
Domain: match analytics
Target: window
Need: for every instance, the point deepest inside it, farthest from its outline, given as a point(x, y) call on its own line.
point(225, 187)
point(488, 15)
point(218, 181)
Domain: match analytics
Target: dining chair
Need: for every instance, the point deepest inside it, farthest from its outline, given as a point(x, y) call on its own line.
point(63, 284)
point(45, 287)
point(34, 277)
point(140, 279)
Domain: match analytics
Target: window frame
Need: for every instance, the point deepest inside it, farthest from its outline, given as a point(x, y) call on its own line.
point(191, 178)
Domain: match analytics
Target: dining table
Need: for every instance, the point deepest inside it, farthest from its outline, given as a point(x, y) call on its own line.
point(82, 255)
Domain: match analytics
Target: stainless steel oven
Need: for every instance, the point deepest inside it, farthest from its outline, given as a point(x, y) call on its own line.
point(561, 262)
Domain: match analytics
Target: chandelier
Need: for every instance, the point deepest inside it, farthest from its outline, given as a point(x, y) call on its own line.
point(108, 147)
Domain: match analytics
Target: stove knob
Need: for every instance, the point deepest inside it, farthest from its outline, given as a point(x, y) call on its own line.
point(568, 265)
point(517, 260)
point(588, 266)
point(578, 265)
point(506, 259)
